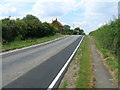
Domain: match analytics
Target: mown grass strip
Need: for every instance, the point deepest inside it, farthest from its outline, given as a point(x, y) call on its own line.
point(85, 77)
point(29, 42)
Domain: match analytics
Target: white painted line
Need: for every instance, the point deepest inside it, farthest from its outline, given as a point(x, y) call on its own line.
point(11, 51)
point(64, 67)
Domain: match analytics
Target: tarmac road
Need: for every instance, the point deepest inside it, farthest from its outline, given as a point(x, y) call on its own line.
point(38, 66)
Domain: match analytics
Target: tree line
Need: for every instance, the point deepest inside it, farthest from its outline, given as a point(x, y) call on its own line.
point(75, 31)
point(108, 36)
point(30, 27)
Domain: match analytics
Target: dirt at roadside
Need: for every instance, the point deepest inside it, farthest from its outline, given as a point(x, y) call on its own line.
point(102, 77)
point(72, 74)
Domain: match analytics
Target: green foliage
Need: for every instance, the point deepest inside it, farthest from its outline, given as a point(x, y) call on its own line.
point(79, 31)
point(107, 40)
point(66, 29)
point(112, 63)
point(108, 36)
point(49, 29)
point(24, 43)
point(9, 31)
point(28, 27)
point(30, 17)
point(64, 84)
point(76, 31)
point(85, 72)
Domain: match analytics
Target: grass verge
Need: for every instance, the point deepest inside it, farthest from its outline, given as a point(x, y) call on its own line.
point(64, 85)
point(29, 42)
point(79, 73)
point(110, 60)
point(85, 78)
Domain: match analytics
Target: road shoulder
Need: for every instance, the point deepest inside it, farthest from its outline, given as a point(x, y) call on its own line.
point(79, 73)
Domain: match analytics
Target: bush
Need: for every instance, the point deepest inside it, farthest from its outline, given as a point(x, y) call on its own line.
point(28, 27)
point(107, 36)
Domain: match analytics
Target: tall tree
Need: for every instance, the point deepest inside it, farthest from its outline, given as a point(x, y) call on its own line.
point(66, 29)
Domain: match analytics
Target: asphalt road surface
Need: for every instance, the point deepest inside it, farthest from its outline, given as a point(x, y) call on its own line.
point(38, 66)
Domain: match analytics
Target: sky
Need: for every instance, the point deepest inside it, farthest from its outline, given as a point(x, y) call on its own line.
point(89, 15)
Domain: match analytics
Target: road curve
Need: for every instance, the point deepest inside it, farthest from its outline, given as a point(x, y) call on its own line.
point(37, 67)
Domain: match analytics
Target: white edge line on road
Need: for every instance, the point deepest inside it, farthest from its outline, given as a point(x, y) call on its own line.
point(30, 46)
point(64, 67)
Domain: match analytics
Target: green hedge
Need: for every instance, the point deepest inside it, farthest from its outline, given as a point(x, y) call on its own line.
point(28, 27)
point(108, 36)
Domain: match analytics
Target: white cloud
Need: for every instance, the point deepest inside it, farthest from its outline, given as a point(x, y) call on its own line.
point(101, 24)
point(8, 10)
point(78, 24)
point(98, 8)
point(14, 1)
point(97, 11)
point(14, 8)
point(53, 8)
point(94, 11)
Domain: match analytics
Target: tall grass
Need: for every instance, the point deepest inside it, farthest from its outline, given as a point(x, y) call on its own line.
point(85, 78)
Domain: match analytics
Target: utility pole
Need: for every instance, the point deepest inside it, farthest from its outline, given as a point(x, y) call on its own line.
point(73, 25)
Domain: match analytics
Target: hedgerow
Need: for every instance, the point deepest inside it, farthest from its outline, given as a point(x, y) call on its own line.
point(108, 36)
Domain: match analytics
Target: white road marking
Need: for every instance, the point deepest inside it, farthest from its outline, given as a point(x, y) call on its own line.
point(64, 67)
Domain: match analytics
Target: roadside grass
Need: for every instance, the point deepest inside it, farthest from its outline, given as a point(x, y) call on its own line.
point(85, 74)
point(79, 73)
point(24, 43)
point(64, 85)
point(110, 60)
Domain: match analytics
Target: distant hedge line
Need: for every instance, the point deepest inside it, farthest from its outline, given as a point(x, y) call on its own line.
point(31, 27)
point(108, 36)
point(28, 27)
